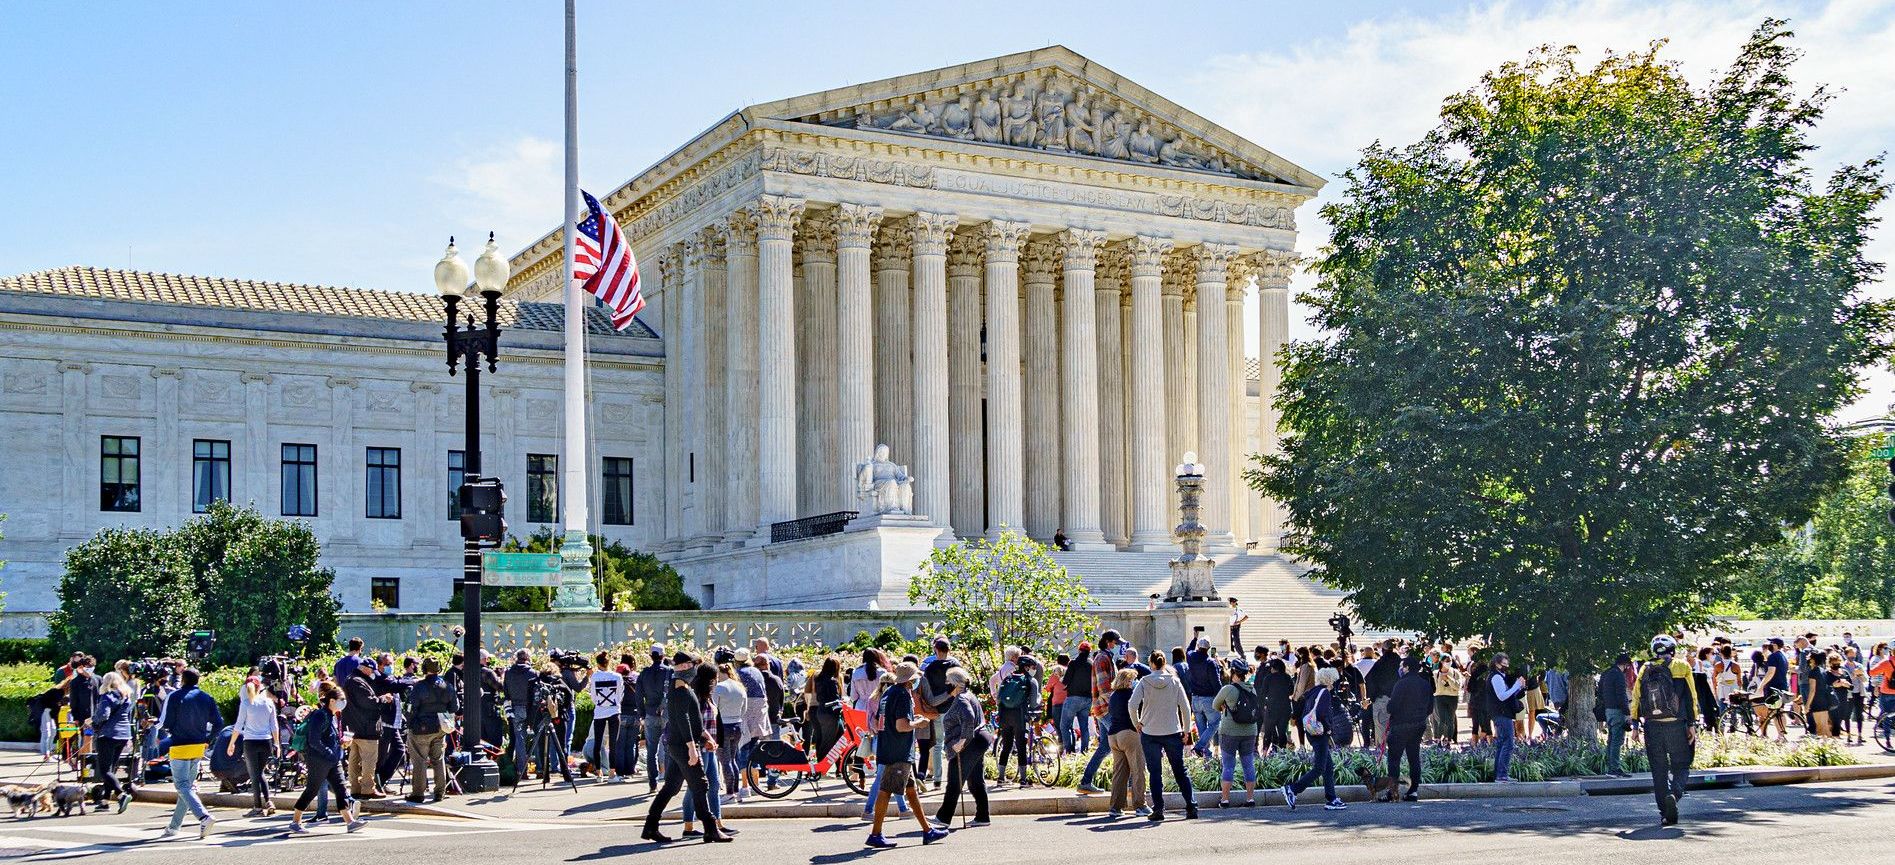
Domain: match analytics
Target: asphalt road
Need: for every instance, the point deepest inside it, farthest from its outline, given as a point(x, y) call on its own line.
point(1734, 827)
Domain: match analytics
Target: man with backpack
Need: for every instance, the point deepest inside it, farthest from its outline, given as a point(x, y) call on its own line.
point(1239, 710)
point(1664, 699)
point(1014, 697)
point(1203, 678)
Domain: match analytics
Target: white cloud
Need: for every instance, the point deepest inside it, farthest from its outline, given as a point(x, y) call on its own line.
point(1319, 102)
point(511, 189)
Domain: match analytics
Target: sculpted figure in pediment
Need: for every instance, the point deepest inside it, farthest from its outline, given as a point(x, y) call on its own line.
point(918, 118)
point(1114, 132)
point(957, 118)
point(987, 118)
point(1080, 127)
point(1177, 153)
point(1049, 111)
point(1016, 118)
point(1142, 143)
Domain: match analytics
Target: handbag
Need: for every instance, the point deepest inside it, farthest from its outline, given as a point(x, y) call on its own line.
point(1313, 719)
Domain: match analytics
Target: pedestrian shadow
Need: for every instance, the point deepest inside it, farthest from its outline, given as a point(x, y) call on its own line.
point(1652, 833)
point(851, 856)
point(617, 850)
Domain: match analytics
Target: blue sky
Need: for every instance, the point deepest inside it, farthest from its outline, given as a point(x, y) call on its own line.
point(341, 142)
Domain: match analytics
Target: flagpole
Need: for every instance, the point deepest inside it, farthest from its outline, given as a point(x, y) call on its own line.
point(576, 590)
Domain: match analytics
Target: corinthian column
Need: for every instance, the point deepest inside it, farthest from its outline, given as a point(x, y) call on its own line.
point(776, 218)
point(671, 304)
point(740, 385)
point(1006, 504)
point(930, 461)
point(1109, 285)
point(1041, 391)
point(894, 366)
point(1212, 260)
point(1179, 415)
point(711, 467)
point(966, 456)
point(1273, 302)
point(694, 380)
point(819, 271)
point(855, 350)
point(1079, 382)
point(1149, 462)
point(1237, 282)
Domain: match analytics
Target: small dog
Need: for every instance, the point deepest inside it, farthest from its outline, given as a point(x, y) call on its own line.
point(1384, 788)
point(63, 798)
point(28, 800)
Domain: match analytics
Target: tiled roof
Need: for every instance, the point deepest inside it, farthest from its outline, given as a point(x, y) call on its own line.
point(97, 283)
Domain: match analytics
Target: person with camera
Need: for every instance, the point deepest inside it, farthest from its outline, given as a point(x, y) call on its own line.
point(362, 721)
point(1665, 701)
point(112, 733)
point(430, 716)
point(1162, 715)
point(322, 755)
point(546, 715)
point(518, 686)
point(685, 742)
point(1507, 693)
point(190, 721)
point(393, 745)
point(574, 671)
point(654, 682)
point(257, 730)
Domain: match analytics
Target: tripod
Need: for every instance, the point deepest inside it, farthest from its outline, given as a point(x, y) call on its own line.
point(549, 732)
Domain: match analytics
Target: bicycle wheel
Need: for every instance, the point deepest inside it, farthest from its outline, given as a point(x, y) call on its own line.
point(1047, 755)
point(1885, 733)
point(773, 783)
point(855, 771)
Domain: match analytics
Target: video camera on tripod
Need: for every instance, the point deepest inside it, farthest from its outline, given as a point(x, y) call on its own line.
point(1340, 623)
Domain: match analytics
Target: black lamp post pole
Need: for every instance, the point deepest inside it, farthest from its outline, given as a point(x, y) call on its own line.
point(470, 344)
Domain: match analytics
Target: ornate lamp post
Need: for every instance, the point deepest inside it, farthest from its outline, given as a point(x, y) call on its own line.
point(481, 498)
point(1191, 570)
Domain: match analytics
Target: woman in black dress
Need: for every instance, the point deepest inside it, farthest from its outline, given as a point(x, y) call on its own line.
point(1273, 691)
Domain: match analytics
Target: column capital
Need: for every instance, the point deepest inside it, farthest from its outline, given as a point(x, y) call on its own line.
point(1213, 262)
point(855, 225)
point(694, 248)
point(1003, 239)
point(1041, 262)
point(1176, 276)
point(932, 232)
point(740, 232)
point(894, 245)
point(1109, 271)
point(713, 239)
point(1274, 267)
point(963, 254)
point(1238, 273)
point(818, 236)
point(776, 216)
point(670, 264)
point(1079, 247)
point(1148, 254)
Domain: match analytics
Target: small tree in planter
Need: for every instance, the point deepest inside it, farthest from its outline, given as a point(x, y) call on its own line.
point(1004, 592)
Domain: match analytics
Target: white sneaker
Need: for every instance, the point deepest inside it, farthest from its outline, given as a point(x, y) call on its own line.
point(1335, 805)
point(357, 824)
point(204, 827)
point(168, 833)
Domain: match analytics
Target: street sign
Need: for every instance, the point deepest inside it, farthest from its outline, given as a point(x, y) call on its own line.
point(520, 569)
point(1885, 453)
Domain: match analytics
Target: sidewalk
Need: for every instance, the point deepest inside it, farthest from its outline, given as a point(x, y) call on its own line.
point(597, 801)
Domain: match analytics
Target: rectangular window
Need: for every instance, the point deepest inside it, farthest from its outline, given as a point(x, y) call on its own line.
point(617, 491)
point(385, 591)
point(384, 483)
point(210, 473)
point(542, 488)
point(456, 475)
point(118, 473)
point(299, 480)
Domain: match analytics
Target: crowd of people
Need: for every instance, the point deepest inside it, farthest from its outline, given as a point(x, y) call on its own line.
point(698, 724)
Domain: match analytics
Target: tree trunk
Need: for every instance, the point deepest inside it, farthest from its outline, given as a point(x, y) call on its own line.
point(1581, 690)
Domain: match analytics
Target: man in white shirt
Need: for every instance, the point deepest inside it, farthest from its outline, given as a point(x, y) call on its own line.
point(607, 689)
point(1237, 619)
point(1506, 706)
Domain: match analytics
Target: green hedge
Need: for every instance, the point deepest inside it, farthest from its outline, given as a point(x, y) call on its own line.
point(30, 650)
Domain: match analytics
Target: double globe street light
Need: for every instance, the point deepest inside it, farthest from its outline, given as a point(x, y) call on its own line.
point(481, 498)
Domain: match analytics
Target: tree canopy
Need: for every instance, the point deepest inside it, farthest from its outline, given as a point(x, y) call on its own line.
point(1004, 592)
point(1581, 342)
point(1841, 565)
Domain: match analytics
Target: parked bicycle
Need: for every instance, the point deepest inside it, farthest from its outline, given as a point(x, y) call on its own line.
point(777, 766)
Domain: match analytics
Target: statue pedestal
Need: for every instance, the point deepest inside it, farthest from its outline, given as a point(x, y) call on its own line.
point(1177, 623)
point(576, 591)
point(876, 521)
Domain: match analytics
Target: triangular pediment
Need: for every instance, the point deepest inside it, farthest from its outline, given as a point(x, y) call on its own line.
point(1051, 100)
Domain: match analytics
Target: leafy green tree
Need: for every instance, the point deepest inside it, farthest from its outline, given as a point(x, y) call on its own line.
point(1580, 342)
point(1841, 565)
point(1005, 592)
point(126, 593)
point(258, 577)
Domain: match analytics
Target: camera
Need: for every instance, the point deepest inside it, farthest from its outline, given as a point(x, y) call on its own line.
point(278, 671)
point(1340, 623)
point(569, 660)
point(150, 670)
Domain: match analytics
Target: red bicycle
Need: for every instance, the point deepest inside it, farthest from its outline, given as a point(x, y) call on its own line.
point(778, 767)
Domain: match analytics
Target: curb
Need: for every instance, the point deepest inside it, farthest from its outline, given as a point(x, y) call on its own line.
point(166, 795)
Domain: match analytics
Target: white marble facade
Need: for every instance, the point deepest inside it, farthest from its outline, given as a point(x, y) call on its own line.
point(83, 362)
point(1026, 275)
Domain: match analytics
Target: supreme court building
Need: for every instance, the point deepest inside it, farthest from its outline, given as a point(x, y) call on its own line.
point(1025, 275)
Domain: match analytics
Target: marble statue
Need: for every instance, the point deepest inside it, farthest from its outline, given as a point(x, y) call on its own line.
point(1079, 127)
point(1113, 131)
point(1049, 113)
point(1143, 145)
point(918, 118)
point(987, 118)
point(957, 118)
point(1016, 121)
point(886, 486)
point(1175, 152)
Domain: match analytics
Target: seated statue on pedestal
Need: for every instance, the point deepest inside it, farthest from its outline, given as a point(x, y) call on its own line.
point(886, 486)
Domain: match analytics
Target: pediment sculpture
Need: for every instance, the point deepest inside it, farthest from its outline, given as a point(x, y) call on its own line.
point(1053, 114)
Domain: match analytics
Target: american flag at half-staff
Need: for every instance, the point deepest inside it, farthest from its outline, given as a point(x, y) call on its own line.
point(604, 265)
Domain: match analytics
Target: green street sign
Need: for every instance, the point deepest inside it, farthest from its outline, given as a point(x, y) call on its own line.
point(520, 569)
point(1885, 453)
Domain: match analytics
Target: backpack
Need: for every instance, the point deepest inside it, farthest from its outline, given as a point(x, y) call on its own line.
point(1014, 692)
point(1658, 694)
point(1341, 727)
point(299, 737)
point(1246, 710)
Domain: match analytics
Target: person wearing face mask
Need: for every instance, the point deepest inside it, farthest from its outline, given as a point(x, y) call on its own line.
point(1507, 703)
point(322, 754)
